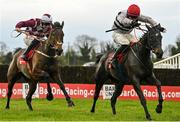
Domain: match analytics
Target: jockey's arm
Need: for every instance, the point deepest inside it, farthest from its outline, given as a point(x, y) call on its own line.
point(152, 22)
point(28, 23)
point(148, 20)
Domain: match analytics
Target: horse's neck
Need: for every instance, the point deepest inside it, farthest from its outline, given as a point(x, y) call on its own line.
point(142, 52)
point(46, 50)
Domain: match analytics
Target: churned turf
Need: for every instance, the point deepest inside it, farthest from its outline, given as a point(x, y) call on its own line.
point(57, 110)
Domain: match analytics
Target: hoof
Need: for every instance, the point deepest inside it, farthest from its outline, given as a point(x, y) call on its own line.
point(159, 109)
point(49, 97)
point(30, 109)
point(113, 108)
point(114, 112)
point(71, 104)
point(7, 107)
point(92, 111)
point(148, 117)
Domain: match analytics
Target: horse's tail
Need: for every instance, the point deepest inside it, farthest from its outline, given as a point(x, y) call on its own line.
point(98, 57)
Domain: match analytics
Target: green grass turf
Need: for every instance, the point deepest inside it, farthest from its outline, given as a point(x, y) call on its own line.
point(57, 110)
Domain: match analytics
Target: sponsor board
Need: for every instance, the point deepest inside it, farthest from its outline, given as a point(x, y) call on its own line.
point(74, 90)
point(150, 92)
point(16, 93)
point(20, 90)
point(25, 89)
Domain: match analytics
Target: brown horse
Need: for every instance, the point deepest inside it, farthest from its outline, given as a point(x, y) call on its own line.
point(43, 66)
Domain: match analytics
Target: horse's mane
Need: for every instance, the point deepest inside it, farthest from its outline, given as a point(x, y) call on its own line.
point(136, 47)
point(143, 36)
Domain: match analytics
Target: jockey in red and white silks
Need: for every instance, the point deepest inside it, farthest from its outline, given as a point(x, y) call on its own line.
point(123, 25)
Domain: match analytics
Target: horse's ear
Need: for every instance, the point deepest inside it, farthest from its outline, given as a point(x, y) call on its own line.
point(62, 25)
point(148, 27)
point(158, 26)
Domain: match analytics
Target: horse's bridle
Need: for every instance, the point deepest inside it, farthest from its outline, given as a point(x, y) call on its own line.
point(57, 44)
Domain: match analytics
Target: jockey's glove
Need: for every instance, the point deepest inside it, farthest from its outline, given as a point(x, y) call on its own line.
point(135, 24)
point(18, 29)
point(162, 29)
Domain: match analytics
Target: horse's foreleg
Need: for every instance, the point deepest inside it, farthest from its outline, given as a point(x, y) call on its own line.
point(46, 77)
point(118, 90)
point(57, 78)
point(160, 99)
point(136, 85)
point(32, 89)
point(69, 101)
point(49, 95)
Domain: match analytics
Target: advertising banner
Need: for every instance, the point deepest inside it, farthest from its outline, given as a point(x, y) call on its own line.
point(150, 92)
point(25, 89)
point(17, 90)
point(20, 90)
point(74, 90)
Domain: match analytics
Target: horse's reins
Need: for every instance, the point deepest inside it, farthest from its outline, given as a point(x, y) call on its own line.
point(139, 42)
point(143, 30)
point(39, 52)
point(26, 33)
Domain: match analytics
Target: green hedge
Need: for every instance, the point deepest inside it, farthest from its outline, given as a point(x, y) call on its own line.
point(78, 74)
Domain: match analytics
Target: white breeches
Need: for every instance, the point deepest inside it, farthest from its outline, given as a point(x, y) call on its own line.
point(123, 39)
point(28, 40)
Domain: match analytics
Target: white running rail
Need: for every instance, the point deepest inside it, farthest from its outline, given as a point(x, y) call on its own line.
point(172, 62)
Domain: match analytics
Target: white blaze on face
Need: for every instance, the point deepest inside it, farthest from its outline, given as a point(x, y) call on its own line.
point(157, 34)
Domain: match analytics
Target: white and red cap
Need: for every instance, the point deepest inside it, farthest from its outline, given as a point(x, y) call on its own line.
point(46, 18)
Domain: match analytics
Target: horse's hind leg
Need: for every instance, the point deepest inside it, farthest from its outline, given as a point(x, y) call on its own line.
point(11, 82)
point(118, 90)
point(12, 76)
point(136, 85)
point(32, 89)
point(99, 80)
point(158, 85)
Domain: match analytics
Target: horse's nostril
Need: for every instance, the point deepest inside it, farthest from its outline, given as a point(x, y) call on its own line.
point(159, 55)
point(59, 52)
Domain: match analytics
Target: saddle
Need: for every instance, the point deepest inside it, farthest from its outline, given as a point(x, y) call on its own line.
point(120, 57)
point(29, 55)
point(119, 68)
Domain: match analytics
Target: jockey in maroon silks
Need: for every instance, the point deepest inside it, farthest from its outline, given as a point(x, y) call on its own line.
point(36, 27)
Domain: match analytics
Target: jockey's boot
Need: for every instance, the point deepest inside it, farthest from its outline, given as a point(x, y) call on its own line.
point(25, 57)
point(121, 72)
point(121, 50)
